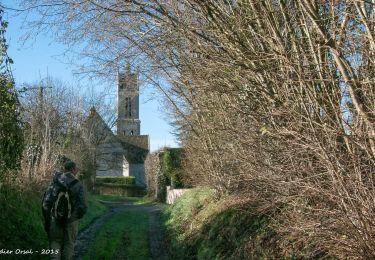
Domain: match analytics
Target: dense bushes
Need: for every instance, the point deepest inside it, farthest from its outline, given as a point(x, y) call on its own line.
point(21, 219)
point(275, 109)
point(11, 135)
point(198, 227)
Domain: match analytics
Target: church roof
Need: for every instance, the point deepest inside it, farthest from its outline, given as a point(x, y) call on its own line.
point(134, 154)
point(97, 132)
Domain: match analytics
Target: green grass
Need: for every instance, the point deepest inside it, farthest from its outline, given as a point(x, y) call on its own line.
point(21, 220)
point(117, 198)
point(112, 198)
point(22, 228)
point(125, 234)
point(190, 204)
point(126, 180)
point(199, 227)
point(95, 209)
point(141, 200)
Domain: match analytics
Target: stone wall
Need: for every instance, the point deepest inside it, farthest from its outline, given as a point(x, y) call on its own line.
point(173, 194)
point(138, 171)
point(110, 160)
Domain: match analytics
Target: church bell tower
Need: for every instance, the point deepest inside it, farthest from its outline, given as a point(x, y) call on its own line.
point(128, 123)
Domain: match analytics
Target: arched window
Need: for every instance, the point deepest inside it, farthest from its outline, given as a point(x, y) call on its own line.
point(128, 107)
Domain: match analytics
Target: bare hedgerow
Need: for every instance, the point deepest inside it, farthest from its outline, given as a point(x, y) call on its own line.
point(151, 168)
point(274, 100)
point(54, 116)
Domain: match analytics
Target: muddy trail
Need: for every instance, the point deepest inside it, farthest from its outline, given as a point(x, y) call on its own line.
point(155, 236)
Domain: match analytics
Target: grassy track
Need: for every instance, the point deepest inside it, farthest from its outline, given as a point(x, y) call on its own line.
point(124, 236)
point(112, 198)
point(95, 209)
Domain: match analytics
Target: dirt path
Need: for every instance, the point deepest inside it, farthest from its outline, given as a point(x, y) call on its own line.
point(155, 237)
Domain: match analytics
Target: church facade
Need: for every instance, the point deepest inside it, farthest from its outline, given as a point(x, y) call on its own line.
point(122, 153)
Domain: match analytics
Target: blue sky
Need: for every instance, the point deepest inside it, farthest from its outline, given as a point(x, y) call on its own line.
point(41, 57)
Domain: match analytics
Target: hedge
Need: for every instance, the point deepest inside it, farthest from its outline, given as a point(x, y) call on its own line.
point(171, 166)
point(127, 180)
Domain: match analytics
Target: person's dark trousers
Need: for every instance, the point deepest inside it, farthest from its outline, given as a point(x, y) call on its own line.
point(62, 239)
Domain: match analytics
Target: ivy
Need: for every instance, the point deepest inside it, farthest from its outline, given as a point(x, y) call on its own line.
point(172, 166)
point(11, 135)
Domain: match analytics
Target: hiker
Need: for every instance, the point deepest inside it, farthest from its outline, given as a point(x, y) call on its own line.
point(63, 205)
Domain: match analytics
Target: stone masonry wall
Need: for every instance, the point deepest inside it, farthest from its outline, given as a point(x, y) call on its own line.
point(173, 194)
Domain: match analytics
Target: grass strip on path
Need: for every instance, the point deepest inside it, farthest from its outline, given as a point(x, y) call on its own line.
point(125, 235)
point(116, 198)
point(113, 198)
point(95, 210)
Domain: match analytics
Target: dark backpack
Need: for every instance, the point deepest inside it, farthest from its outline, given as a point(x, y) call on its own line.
point(62, 206)
point(57, 202)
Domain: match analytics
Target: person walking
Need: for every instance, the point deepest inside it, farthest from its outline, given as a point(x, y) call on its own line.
point(64, 203)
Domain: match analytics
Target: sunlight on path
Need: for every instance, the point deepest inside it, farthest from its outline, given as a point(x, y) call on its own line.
point(155, 236)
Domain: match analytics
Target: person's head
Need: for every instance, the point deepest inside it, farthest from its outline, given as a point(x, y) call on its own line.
point(61, 160)
point(70, 166)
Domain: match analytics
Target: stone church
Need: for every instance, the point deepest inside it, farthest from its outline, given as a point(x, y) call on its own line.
point(123, 153)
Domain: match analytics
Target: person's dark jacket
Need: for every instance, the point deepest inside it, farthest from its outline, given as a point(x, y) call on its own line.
point(79, 206)
point(78, 196)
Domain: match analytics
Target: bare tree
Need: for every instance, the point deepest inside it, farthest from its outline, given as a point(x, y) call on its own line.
point(54, 115)
point(274, 100)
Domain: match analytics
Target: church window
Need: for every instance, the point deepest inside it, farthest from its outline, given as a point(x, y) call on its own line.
point(128, 107)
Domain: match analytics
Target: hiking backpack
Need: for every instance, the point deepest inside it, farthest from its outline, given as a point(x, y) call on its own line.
point(57, 202)
point(62, 207)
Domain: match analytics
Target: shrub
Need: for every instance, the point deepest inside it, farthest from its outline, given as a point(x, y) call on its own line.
point(199, 227)
point(125, 180)
point(21, 219)
point(11, 133)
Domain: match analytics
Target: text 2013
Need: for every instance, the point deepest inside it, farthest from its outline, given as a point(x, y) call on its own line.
point(49, 252)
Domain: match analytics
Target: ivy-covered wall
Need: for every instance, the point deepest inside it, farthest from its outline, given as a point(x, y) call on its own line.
point(171, 167)
point(163, 168)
